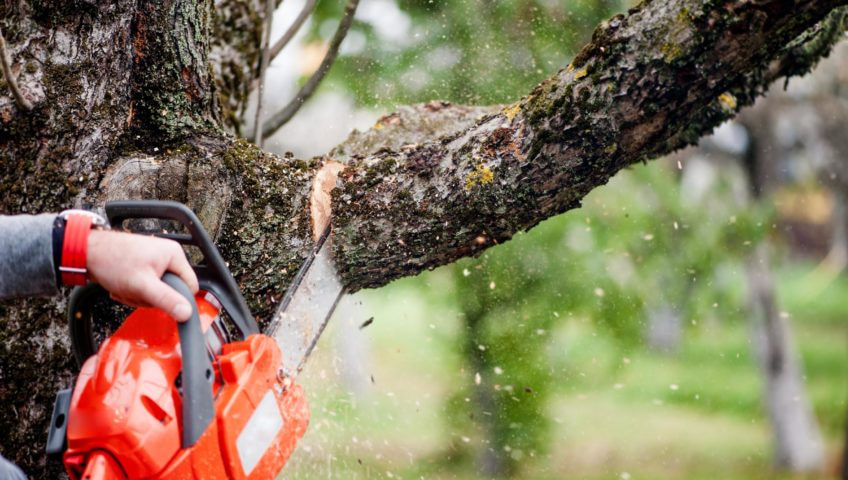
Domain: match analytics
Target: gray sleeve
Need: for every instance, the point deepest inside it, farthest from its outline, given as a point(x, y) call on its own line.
point(10, 471)
point(26, 256)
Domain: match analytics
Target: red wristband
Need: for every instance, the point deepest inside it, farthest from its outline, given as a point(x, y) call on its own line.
point(75, 249)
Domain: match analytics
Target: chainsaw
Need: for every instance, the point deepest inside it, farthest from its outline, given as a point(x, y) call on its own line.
point(209, 398)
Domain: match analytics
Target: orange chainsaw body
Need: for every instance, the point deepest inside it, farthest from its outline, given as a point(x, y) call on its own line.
point(125, 415)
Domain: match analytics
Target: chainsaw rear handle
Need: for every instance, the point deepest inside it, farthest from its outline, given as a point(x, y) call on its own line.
point(80, 311)
point(213, 275)
point(197, 375)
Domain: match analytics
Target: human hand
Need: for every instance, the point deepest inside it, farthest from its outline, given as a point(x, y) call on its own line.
point(131, 266)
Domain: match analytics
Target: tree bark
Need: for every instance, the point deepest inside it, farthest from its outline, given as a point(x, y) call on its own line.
point(132, 99)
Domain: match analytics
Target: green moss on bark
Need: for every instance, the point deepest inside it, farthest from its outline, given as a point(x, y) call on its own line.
point(173, 89)
point(267, 234)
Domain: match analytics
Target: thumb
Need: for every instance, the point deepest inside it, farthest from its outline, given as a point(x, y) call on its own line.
point(157, 294)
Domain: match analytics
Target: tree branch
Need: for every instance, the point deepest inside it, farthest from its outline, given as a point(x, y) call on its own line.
point(263, 70)
point(650, 82)
point(11, 79)
point(305, 12)
point(804, 52)
point(283, 116)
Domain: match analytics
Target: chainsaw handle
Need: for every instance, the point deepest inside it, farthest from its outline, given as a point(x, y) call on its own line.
point(213, 275)
point(197, 375)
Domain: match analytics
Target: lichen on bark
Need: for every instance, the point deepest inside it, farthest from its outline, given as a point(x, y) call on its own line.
point(267, 231)
point(173, 89)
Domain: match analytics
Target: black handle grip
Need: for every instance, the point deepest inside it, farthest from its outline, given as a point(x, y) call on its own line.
point(214, 276)
point(197, 376)
point(80, 311)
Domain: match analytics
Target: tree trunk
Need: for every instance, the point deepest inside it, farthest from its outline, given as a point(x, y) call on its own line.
point(663, 329)
point(490, 458)
point(132, 98)
point(838, 259)
point(798, 444)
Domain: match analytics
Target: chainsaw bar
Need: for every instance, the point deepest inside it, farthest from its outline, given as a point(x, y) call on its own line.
point(307, 306)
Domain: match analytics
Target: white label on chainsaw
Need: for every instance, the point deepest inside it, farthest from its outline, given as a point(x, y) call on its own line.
point(259, 432)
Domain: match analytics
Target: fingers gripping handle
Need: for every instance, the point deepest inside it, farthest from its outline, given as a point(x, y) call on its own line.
point(198, 405)
point(214, 275)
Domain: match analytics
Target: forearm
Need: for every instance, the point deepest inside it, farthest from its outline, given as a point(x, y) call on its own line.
point(26, 256)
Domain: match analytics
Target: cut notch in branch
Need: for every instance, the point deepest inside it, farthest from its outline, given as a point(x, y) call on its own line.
point(11, 79)
point(283, 116)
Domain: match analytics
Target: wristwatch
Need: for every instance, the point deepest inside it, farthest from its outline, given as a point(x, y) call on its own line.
point(70, 244)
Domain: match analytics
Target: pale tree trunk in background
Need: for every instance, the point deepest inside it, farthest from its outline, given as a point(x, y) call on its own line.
point(816, 112)
point(798, 444)
point(133, 99)
point(663, 329)
point(491, 461)
point(664, 326)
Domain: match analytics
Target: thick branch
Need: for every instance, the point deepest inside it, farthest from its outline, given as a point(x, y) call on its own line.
point(649, 83)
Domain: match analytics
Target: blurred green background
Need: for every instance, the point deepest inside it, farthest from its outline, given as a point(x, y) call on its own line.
point(537, 360)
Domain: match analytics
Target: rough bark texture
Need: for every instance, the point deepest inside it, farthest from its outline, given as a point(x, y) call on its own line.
point(649, 83)
point(131, 99)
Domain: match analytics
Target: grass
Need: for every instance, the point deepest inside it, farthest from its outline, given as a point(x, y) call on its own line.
point(617, 413)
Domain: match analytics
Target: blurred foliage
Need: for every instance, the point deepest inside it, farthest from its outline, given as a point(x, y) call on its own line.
point(573, 392)
point(469, 51)
point(636, 245)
